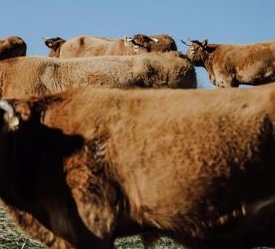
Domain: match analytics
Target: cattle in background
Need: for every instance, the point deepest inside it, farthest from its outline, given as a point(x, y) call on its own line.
point(54, 45)
point(89, 164)
point(86, 46)
point(48, 75)
point(230, 65)
point(12, 46)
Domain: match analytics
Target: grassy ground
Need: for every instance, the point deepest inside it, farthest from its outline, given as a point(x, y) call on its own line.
point(135, 243)
point(12, 238)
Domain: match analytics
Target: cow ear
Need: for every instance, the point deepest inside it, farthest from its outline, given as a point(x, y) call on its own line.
point(9, 119)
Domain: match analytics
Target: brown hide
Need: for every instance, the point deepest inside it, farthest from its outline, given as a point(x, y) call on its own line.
point(114, 159)
point(48, 75)
point(229, 65)
point(84, 46)
point(12, 46)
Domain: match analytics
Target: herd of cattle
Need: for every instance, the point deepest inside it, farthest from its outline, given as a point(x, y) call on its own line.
point(85, 159)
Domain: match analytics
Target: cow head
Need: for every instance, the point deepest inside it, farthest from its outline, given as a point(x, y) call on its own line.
point(141, 43)
point(198, 51)
point(12, 46)
point(54, 44)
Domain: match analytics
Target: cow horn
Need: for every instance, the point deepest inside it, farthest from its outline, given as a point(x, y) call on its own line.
point(197, 42)
point(128, 39)
point(185, 43)
point(9, 116)
point(4, 105)
point(154, 39)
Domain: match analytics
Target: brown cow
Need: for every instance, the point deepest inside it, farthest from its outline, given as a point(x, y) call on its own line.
point(96, 164)
point(48, 75)
point(12, 46)
point(229, 65)
point(86, 46)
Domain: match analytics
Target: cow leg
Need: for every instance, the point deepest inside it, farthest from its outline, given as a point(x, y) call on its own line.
point(149, 240)
point(35, 229)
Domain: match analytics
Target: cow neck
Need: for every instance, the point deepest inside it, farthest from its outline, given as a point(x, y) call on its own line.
point(208, 62)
